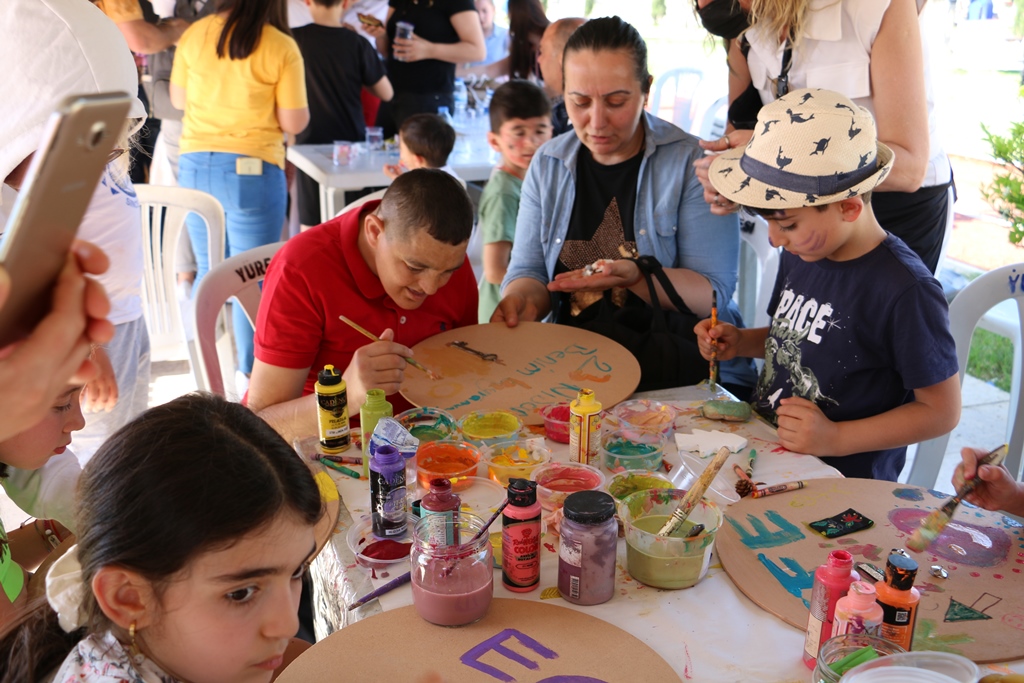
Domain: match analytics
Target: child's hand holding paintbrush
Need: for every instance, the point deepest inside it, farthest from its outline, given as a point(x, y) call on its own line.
point(995, 488)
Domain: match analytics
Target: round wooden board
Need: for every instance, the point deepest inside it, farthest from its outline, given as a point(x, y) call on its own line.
point(541, 364)
point(554, 644)
point(978, 612)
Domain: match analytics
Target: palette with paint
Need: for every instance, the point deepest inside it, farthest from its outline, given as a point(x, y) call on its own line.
point(381, 556)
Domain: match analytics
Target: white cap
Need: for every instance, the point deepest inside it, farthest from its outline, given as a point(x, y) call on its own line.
point(50, 49)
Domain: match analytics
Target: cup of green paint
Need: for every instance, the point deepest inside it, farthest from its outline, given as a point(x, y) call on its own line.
point(631, 449)
point(428, 424)
point(667, 561)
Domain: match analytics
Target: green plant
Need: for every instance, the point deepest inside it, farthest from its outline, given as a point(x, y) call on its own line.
point(1006, 192)
point(991, 359)
point(588, 8)
point(658, 10)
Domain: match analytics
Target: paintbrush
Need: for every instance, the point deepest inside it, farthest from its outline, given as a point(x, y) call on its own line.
point(404, 578)
point(695, 493)
point(370, 335)
point(745, 486)
point(713, 363)
point(933, 524)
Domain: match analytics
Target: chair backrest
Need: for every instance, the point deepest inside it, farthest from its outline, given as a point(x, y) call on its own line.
point(674, 94)
point(164, 209)
point(764, 280)
point(362, 200)
point(238, 277)
point(713, 121)
point(966, 309)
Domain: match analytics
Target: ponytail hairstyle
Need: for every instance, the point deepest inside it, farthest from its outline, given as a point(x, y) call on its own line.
point(526, 24)
point(611, 33)
point(245, 22)
point(191, 476)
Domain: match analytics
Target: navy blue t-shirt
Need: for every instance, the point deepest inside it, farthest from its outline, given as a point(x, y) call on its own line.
point(856, 338)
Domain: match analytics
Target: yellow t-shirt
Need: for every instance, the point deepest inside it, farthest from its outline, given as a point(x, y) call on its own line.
point(120, 11)
point(230, 103)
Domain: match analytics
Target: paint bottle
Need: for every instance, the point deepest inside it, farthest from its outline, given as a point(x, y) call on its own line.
point(899, 600)
point(441, 508)
point(520, 537)
point(387, 493)
point(584, 428)
point(586, 550)
point(374, 408)
point(858, 613)
point(831, 581)
point(332, 410)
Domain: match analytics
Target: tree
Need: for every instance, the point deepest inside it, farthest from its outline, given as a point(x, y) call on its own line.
point(658, 10)
point(1006, 191)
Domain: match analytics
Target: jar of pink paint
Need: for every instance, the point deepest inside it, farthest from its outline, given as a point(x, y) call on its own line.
point(452, 585)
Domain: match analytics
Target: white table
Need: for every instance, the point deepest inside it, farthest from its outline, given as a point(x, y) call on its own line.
point(472, 159)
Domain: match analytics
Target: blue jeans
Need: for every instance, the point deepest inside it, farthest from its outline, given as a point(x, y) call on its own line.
point(254, 208)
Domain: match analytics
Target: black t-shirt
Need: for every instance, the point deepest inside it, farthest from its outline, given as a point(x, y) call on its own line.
point(338, 63)
point(601, 223)
point(432, 21)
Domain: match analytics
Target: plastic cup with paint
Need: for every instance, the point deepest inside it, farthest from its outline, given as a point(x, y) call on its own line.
point(488, 428)
point(452, 585)
point(428, 424)
point(629, 449)
point(454, 460)
point(556, 480)
point(376, 554)
point(624, 484)
point(915, 667)
point(340, 152)
point(556, 421)
point(667, 562)
point(834, 650)
point(643, 414)
point(515, 459)
point(375, 138)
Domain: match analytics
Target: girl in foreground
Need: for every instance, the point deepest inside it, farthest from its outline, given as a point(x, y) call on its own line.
point(195, 527)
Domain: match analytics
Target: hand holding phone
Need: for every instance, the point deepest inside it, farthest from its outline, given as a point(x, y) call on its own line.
point(369, 20)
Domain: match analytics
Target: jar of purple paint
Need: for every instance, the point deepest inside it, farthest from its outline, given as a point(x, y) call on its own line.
point(586, 552)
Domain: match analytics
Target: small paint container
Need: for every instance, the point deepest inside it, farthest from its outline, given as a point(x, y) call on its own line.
point(452, 585)
point(916, 667)
point(454, 460)
point(629, 449)
point(518, 458)
point(556, 480)
point(428, 424)
point(625, 484)
point(381, 556)
point(840, 647)
point(643, 414)
point(487, 428)
point(667, 561)
point(556, 421)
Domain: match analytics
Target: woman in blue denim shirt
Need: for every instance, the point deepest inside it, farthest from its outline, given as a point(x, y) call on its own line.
point(621, 183)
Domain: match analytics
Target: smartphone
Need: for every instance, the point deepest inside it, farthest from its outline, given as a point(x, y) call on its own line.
point(78, 140)
point(369, 19)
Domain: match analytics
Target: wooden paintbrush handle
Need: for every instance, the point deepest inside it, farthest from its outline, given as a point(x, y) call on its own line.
point(695, 493)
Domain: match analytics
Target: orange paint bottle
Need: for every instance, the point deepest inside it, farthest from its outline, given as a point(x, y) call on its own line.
point(899, 600)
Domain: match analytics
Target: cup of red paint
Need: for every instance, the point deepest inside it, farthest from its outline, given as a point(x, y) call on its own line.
point(556, 421)
point(381, 556)
point(556, 480)
point(452, 585)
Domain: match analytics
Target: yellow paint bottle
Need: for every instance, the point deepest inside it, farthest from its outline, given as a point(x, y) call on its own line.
point(584, 427)
point(332, 410)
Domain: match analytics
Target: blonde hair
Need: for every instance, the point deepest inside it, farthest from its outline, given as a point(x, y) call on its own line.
point(780, 17)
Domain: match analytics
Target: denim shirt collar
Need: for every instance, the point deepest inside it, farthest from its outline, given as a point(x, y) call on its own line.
point(566, 147)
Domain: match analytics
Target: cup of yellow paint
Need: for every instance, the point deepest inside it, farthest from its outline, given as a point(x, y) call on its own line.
point(454, 460)
point(488, 428)
point(517, 458)
point(673, 561)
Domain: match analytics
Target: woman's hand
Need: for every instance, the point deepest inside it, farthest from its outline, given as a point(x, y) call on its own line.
point(375, 30)
point(514, 308)
point(720, 206)
point(412, 49)
point(606, 273)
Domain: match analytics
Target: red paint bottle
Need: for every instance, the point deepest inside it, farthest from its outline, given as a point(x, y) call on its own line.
point(831, 581)
point(520, 537)
point(441, 508)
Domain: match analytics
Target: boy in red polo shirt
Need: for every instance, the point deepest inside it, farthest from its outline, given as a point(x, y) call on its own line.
point(379, 265)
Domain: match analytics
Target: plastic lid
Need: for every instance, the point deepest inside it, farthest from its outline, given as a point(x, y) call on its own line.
point(329, 376)
point(440, 485)
point(589, 507)
point(900, 572)
point(522, 492)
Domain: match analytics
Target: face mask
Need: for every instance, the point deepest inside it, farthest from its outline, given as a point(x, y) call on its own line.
point(723, 18)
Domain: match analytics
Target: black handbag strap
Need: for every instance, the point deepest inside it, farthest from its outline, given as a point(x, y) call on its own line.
point(649, 266)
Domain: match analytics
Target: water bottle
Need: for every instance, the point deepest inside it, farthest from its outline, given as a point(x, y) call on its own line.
point(461, 100)
point(446, 115)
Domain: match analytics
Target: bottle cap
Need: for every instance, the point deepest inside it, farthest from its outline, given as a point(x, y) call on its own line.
point(589, 507)
point(522, 492)
point(416, 507)
point(440, 485)
point(900, 572)
point(329, 376)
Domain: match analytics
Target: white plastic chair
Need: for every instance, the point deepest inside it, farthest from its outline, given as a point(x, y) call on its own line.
point(762, 282)
point(164, 209)
point(713, 120)
point(965, 311)
point(239, 278)
point(677, 88)
point(362, 200)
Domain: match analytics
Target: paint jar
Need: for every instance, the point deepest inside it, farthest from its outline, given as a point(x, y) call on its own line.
point(556, 480)
point(837, 648)
point(332, 411)
point(858, 612)
point(387, 493)
point(644, 414)
point(517, 458)
point(375, 407)
point(453, 460)
point(831, 581)
point(487, 428)
point(556, 421)
point(584, 427)
point(916, 667)
point(899, 600)
point(586, 549)
point(520, 537)
point(440, 508)
point(667, 561)
point(428, 424)
point(390, 432)
point(452, 585)
point(632, 449)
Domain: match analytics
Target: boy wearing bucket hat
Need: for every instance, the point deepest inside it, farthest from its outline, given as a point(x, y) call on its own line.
point(858, 359)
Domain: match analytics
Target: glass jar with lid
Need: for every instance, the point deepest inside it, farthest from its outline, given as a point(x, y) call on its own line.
point(452, 585)
point(586, 552)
